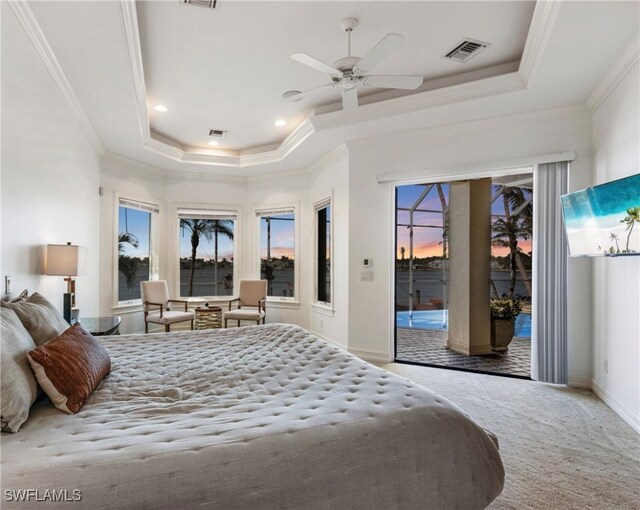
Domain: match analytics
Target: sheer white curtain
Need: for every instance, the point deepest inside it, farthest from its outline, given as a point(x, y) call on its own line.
point(549, 300)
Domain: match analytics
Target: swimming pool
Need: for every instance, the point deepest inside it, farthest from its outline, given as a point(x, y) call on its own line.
point(438, 319)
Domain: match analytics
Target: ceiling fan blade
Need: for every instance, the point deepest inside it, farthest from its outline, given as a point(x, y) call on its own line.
point(350, 100)
point(382, 50)
point(295, 95)
point(316, 64)
point(393, 82)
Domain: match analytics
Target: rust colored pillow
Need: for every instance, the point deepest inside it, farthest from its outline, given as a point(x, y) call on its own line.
point(69, 367)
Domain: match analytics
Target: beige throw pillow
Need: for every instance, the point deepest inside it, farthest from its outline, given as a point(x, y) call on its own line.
point(39, 317)
point(69, 367)
point(17, 382)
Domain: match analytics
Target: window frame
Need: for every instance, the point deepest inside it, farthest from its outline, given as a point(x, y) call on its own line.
point(257, 269)
point(154, 264)
point(175, 250)
point(321, 203)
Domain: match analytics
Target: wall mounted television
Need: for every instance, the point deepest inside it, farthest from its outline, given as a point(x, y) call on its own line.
point(604, 220)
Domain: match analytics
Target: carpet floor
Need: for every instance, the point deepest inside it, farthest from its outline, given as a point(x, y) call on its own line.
point(562, 448)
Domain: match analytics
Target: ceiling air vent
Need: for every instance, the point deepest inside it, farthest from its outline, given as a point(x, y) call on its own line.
point(217, 133)
point(466, 49)
point(210, 4)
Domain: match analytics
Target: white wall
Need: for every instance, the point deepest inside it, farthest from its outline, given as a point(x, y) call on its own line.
point(371, 212)
point(281, 191)
point(50, 175)
point(330, 177)
point(143, 182)
point(616, 320)
point(135, 181)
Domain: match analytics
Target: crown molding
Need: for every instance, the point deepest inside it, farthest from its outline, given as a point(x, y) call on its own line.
point(242, 160)
point(28, 21)
point(340, 152)
point(148, 171)
point(502, 84)
point(300, 172)
point(540, 30)
point(523, 164)
point(139, 168)
point(615, 73)
point(487, 124)
point(129, 18)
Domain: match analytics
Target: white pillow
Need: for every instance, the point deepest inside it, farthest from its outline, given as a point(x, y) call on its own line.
point(17, 382)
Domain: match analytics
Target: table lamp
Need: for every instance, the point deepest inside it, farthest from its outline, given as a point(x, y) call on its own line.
point(67, 260)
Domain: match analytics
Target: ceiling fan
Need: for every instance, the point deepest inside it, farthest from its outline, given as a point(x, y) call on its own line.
point(350, 71)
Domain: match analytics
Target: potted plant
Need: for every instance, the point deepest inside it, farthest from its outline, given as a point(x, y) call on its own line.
point(503, 317)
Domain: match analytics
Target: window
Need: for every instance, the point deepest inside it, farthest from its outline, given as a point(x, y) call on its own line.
point(206, 252)
point(136, 221)
point(323, 246)
point(277, 251)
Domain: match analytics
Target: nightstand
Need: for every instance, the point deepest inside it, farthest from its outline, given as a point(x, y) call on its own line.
point(208, 317)
point(101, 326)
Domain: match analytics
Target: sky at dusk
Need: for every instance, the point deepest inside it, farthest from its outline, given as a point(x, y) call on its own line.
point(138, 223)
point(427, 240)
point(206, 249)
point(282, 236)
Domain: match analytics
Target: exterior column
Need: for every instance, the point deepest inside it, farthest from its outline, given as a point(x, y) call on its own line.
point(470, 266)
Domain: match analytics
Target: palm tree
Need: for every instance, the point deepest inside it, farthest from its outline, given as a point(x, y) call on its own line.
point(267, 273)
point(614, 238)
point(222, 228)
point(402, 250)
point(505, 232)
point(633, 216)
point(198, 228)
point(519, 207)
point(127, 265)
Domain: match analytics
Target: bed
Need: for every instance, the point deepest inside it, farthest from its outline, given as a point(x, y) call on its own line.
point(260, 417)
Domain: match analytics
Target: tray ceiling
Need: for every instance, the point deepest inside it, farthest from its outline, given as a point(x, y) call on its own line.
point(227, 69)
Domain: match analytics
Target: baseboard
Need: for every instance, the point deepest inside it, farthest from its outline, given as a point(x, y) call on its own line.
point(580, 382)
point(376, 356)
point(617, 405)
point(330, 340)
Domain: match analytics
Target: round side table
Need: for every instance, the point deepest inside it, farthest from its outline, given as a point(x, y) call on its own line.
point(208, 317)
point(101, 326)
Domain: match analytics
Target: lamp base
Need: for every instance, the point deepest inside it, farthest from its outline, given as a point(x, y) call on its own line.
point(67, 300)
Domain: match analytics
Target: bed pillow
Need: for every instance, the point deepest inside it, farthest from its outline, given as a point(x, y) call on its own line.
point(17, 382)
point(69, 367)
point(22, 296)
point(42, 320)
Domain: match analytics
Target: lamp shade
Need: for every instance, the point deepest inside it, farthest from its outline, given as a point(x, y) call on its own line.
point(66, 260)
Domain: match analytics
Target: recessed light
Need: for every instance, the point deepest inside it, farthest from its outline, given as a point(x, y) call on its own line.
point(213, 143)
point(280, 123)
point(161, 108)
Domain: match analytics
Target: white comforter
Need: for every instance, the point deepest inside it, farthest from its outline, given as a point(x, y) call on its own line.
point(262, 417)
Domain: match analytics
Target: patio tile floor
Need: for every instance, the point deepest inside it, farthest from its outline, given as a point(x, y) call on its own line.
point(430, 347)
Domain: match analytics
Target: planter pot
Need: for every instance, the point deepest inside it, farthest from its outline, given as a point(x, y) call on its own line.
point(501, 333)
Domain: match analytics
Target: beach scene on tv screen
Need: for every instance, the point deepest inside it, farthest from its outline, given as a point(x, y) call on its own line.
point(605, 219)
